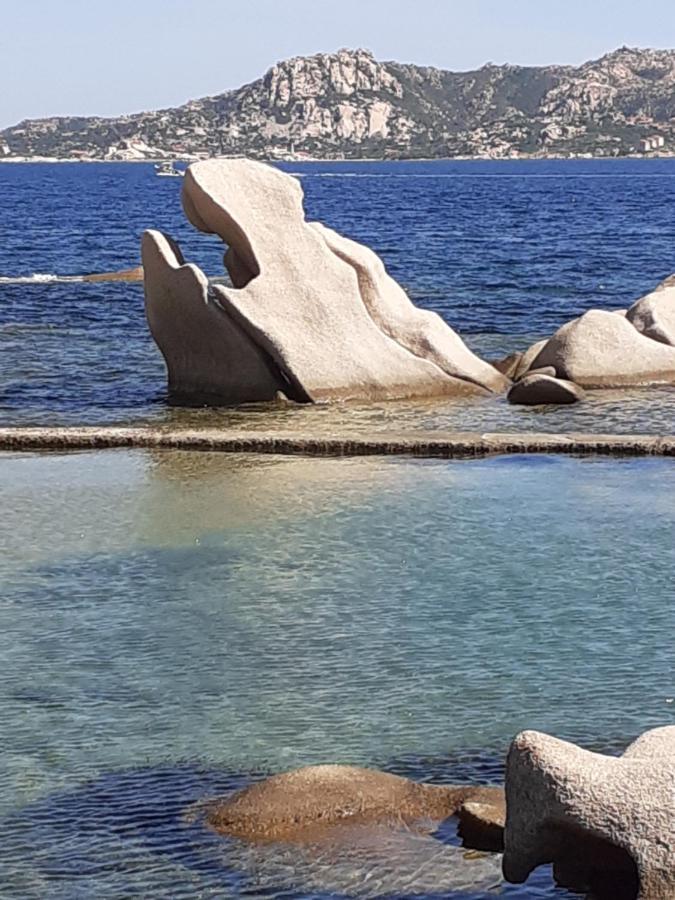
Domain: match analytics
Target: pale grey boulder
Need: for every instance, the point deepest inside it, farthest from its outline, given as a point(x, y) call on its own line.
point(540, 388)
point(654, 314)
point(593, 816)
point(602, 349)
point(209, 356)
point(297, 299)
point(420, 331)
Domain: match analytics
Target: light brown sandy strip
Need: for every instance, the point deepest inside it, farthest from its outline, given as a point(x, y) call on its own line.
point(436, 444)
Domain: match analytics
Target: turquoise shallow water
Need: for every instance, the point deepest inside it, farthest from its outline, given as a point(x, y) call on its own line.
point(174, 624)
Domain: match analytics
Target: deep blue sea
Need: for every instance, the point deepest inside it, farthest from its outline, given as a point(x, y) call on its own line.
point(505, 251)
point(174, 625)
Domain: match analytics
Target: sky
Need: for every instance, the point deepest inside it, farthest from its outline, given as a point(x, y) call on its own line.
point(108, 57)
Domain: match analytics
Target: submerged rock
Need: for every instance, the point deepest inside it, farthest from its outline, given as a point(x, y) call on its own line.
point(307, 804)
point(598, 818)
point(367, 862)
point(135, 274)
point(481, 823)
point(540, 387)
point(310, 313)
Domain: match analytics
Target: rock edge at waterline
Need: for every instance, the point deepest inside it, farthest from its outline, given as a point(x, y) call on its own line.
point(595, 817)
point(440, 445)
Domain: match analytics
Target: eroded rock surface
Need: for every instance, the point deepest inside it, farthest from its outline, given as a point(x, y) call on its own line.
point(654, 314)
point(301, 805)
point(595, 817)
point(209, 356)
point(317, 312)
point(602, 349)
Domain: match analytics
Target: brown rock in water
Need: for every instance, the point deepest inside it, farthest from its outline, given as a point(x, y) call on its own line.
point(508, 366)
point(654, 314)
point(602, 349)
point(600, 820)
point(539, 389)
point(306, 803)
point(481, 823)
point(322, 310)
point(123, 275)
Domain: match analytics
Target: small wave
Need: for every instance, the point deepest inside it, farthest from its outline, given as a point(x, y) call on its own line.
point(491, 175)
point(37, 278)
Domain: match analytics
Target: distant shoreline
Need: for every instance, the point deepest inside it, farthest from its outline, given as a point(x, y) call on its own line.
point(33, 160)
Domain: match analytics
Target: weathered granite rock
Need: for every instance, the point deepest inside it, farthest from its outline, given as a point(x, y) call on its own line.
point(208, 354)
point(540, 388)
point(301, 805)
point(320, 311)
point(508, 365)
point(654, 314)
point(527, 359)
point(602, 349)
point(593, 816)
point(516, 365)
point(544, 370)
point(423, 333)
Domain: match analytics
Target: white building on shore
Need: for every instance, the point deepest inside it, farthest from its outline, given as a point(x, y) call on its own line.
point(648, 145)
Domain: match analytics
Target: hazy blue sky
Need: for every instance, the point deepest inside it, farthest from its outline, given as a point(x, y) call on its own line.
point(107, 57)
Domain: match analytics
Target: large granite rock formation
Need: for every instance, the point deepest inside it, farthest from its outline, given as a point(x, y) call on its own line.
point(310, 313)
point(308, 804)
point(617, 348)
point(595, 817)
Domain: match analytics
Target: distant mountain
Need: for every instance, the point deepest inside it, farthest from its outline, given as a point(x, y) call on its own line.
point(347, 104)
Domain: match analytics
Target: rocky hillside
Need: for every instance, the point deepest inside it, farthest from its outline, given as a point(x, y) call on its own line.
point(347, 104)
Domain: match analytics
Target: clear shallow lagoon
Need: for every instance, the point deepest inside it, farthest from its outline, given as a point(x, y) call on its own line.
point(505, 251)
point(174, 624)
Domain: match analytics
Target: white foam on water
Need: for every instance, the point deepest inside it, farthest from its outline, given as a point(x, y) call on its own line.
point(38, 278)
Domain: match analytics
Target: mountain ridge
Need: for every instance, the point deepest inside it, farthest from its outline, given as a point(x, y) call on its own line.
point(348, 104)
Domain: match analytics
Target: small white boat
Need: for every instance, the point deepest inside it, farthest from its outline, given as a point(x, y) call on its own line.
point(168, 170)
